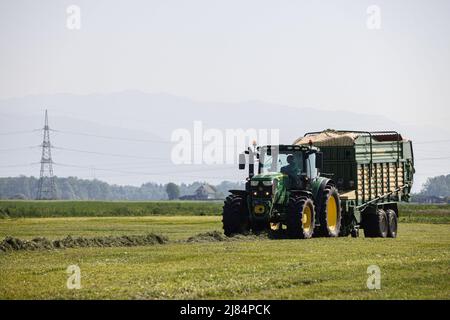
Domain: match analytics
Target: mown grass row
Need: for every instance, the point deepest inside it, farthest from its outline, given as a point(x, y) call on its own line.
point(423, 213)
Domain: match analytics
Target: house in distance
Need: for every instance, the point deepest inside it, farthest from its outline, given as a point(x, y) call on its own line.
point(204, 192)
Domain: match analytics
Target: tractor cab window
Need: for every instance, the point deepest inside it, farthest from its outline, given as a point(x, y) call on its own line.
point(285, 161)
point(296, 164)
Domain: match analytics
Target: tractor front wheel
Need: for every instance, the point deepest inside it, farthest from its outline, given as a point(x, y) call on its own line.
point(235, 216)
point(259, 226)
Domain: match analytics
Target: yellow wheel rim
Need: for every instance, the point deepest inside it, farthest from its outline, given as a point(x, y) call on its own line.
point(259, 209)
point(332, 213)
point(306, 218)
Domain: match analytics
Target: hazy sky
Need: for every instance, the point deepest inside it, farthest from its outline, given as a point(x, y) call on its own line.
point(301, 53)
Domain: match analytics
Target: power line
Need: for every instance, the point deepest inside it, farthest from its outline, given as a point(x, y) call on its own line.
point(20, 148)
point(153, 167)
point(133, 164)
point(17, 165)
point(133, 139)
point(139, 173)
point(169, 166)
point(18, 132)
point(111, 137)
point(108, 154)
point(171, 142)
point(436, 158)
point(431, 141)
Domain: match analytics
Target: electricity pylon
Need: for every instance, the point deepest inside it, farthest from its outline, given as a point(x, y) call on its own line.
point(47, 186)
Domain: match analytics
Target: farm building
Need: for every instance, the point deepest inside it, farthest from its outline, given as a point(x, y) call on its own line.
point(204, 192)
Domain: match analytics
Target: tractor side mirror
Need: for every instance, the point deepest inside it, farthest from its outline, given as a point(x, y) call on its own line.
point(319, 160)
point(242, 161)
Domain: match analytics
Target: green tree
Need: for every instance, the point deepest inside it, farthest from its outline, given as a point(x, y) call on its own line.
point(72, 188)
point(437, 186)
point(173, 191)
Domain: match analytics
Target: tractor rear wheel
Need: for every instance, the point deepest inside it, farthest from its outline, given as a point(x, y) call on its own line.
point(330, 214)
point(376, 224)
point(300, 217)
point(392, 223)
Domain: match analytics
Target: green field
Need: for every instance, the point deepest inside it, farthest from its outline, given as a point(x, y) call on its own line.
point(413, 266)
point(41, 209)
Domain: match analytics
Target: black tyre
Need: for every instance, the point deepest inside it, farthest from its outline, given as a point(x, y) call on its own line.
point(300, 218)
point(376, 224)
point(235, 216)
point(354, 233)
point(259, 226)
point(392, 223)
point(330, 214)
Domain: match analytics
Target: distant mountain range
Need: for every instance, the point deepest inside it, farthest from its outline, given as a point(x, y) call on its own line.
point(124, 137)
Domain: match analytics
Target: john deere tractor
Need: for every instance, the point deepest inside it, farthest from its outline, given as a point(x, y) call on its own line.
point(365, 175)
point(284, 192)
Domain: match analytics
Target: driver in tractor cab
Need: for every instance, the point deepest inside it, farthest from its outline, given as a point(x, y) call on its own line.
point(292, 170)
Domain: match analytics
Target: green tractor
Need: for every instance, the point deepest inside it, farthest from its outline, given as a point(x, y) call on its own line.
point(329, 183)
point(287, 193)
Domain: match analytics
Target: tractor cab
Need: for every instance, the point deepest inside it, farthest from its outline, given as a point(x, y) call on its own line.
point(297, 165)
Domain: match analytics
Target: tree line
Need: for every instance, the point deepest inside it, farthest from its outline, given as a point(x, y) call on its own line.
point(435, 190)
point(73, 188)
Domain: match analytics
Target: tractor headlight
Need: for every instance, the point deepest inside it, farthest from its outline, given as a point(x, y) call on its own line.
point(254, 183)
point(267, 183)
